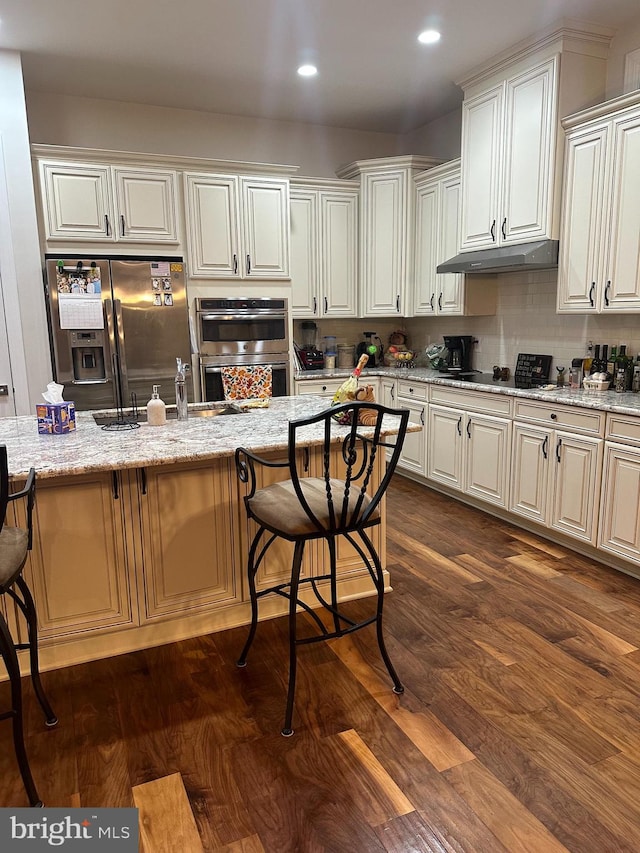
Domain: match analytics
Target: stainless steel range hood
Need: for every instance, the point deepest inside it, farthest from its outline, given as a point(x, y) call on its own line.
point(542, 255)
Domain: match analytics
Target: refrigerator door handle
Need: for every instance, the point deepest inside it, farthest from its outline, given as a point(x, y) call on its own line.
point(119, 335)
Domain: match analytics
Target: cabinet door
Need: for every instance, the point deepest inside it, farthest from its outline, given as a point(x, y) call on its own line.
point(444, 446)
point(187, 523)
point(450, 286)
point(305, 267)
point(427, 256)
point(622, 284)
point(212, 225)
point(583, 243)
point(146, 205)
point(323, 387)
point(338, 254)
point(576, 485)
point(383, 249)
point(619, 530)
point(413, 456)
point(530, 465)
point(529, 154)
point(388, 392)
point(78, 566)
point(482, 131)
point(487, 458)
point(77, 201)
point(265, 217)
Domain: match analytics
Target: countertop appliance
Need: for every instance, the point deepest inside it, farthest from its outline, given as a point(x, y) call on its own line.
point(242, 331)
point(116, 327)
point(458, 353)
point(310, 357)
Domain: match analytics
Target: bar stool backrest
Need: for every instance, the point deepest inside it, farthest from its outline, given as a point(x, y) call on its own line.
point(349, 501)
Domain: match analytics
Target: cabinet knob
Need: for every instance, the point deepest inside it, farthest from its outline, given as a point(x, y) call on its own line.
point(553, 416)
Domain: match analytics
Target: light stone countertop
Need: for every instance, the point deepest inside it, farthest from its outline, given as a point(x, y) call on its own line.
point(90, 448)
point(606, 401)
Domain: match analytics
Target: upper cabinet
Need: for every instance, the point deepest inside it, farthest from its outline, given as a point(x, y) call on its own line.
point(237, 226)
point(387, 199)
point(512, 138)
point(99, 202)
point(436, 239)
point(324, 248)
point(599, 267)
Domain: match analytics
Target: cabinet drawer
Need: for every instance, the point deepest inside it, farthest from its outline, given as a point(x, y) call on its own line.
point(475, 401)
point(585, 421)
point(625, 428)
point(318, 386)
point(412, 390)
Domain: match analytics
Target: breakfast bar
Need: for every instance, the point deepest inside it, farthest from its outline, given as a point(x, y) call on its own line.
point(140, 535)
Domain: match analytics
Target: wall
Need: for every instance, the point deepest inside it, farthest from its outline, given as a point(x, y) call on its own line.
point(86, 122)
point(21, 273)
point(624, 42)
point(440, 138)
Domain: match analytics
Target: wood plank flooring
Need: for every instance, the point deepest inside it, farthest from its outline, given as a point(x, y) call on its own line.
point(519, 729)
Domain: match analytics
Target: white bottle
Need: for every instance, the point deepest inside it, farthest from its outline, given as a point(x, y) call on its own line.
point(156, 409)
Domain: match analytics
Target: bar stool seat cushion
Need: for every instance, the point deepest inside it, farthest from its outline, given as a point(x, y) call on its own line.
point(13, 549)
point(277, 507)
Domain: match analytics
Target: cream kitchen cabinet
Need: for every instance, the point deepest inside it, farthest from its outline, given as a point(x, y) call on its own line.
point(100, 202)
point(619, 530)
point(512, 140)
point(323, 387)
point(599, 268)
point(436, 240)
point(556, 471)
point(508, 159)
point(237, 227)
point(413, 396)
point(324, 248)
point(387, 200)
point(468, 449)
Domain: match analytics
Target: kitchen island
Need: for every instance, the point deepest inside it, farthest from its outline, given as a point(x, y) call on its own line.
point(140, 536)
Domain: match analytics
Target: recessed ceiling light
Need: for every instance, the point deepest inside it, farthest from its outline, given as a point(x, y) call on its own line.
point(429, 37)
point(307, 70)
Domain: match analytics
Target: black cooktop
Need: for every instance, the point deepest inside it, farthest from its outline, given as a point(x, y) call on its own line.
point(487, 379)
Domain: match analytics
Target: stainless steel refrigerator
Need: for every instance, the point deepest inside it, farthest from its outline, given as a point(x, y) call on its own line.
point(117, 326)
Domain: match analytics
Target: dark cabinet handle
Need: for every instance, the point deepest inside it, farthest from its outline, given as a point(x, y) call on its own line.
point(504, 228)
point(248, 264)
point(553, 416)
point(460, 425)
point(469, 428)
point(122, 225)
point(422, 417)
point(116, 491)
point(393, 393)
point(315, 305)
point(143, 480)
point(591, 289)
point(326, 305)
point(107, 227)
point(306, 458)
point(398, 303)
point(431, 300)
point(545, 445)
point(493, 231)
point(439, 302)
point(235, 264)
point(558, 446)
point(606, 292)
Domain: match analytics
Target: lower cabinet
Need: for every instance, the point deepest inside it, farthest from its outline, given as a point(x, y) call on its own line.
point(118, 549)
point(78, 569)
point(470, 452)
point(556, 479)
point(620, 515)
point(413, 396)
point(323, 387)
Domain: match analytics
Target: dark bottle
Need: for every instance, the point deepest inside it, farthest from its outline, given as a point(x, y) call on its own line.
point(611, 363)
point(595, 361)
point(605, 360)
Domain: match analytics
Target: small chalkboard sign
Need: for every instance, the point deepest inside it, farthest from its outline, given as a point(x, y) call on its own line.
point(532, 370)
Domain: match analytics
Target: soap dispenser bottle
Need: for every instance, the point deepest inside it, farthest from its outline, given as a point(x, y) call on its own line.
point(156, 409)
point(181, 390)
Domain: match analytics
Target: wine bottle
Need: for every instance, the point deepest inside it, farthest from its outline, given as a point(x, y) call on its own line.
point(604, 360)
point(595, 364)
point(347, 391)
point(611, 363)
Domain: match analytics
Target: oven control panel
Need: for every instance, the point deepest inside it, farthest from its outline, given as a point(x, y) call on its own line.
point(239, 304)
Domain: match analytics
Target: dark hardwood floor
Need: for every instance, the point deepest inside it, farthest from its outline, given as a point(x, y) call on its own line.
point(519, 729)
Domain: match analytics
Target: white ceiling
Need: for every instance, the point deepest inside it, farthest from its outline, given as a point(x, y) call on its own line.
point(240, 56)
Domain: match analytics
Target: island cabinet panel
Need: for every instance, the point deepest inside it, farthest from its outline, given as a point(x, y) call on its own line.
point(78, 569)
point(187, 523)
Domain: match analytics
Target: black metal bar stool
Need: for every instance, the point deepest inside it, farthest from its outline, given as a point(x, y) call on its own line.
point(14, 545)
point(302, 509)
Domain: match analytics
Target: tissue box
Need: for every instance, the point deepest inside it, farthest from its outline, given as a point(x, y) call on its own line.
point(56, 418)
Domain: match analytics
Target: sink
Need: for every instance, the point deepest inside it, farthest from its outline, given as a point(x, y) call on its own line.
point(172, 415)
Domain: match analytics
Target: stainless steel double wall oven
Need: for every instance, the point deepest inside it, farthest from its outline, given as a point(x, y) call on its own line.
point(238, 331)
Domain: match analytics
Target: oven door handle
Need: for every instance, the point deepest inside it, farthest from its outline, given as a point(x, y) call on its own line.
point(234, 318)
point(213, 368)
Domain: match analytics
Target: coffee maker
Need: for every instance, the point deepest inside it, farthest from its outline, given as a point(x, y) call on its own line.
point(458, 358)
